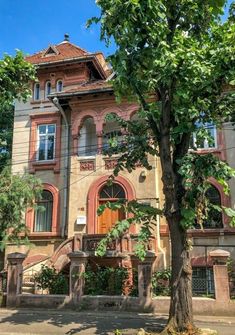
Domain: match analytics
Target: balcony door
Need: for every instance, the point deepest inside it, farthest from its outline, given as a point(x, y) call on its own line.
point(109, 218)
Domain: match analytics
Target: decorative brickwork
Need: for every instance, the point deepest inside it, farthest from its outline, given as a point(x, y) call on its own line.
point(87, 165)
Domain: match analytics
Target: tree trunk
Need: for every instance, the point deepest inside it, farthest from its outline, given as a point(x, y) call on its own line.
point(181, 313)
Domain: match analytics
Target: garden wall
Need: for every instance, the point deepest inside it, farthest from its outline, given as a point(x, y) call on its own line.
point(201, 306)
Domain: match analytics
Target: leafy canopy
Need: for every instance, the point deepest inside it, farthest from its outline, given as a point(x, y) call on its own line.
point(177, 59)
point(17, 194)
point(15, 77)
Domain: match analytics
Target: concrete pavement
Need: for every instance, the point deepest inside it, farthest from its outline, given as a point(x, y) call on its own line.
point(54, 322)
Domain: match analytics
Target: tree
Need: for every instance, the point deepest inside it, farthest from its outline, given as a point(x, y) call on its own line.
point(17, 194)
point(176, 58)
point(15, 77)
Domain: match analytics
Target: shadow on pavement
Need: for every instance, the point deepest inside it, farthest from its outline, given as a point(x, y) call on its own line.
point(72, 322)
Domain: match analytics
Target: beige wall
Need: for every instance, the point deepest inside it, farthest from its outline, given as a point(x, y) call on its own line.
point(229, 135)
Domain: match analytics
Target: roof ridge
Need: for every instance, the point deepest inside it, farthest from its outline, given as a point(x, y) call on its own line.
point(74, 45)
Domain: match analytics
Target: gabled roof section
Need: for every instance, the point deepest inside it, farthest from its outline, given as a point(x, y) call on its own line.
point(51, 50)
point(59, 52)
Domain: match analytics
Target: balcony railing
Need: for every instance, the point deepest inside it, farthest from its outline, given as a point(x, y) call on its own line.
point(120, 245)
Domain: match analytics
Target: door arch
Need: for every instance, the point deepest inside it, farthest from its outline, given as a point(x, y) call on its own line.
point(93, 200)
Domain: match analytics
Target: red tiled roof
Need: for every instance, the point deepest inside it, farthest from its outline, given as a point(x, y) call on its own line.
point(63, 51)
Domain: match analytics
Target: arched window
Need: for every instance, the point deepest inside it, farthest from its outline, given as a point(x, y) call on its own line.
point(88, 139)
point(36, 91)
point(108, 218)
point(113, 192)
point(59, 86)
point(112, 134)
point(43, 214)
point(47, 89)
point(214, 219)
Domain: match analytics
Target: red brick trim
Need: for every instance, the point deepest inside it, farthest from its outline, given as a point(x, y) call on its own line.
point(92, 200)
point(55, 229)
point(37, 119)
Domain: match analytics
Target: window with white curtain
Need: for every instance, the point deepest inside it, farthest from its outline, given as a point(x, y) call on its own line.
point(46, 142)
point(43, 214)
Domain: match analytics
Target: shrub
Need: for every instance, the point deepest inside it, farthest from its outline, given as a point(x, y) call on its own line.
point(105, 280)
point(161, 282)
point(49, 279)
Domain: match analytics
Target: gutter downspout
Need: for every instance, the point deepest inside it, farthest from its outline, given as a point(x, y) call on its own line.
point(66, 167)
point(158, 217)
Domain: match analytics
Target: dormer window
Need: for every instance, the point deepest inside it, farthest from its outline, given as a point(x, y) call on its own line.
point(59, 86)
point(47, 89)
point(36, 91)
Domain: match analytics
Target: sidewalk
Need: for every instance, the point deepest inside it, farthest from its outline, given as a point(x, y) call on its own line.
point(48, 322)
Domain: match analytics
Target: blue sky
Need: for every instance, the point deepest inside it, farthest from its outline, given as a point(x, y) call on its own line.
point(31, 25)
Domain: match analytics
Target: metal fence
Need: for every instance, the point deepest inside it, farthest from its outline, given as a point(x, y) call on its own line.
point(203, 278)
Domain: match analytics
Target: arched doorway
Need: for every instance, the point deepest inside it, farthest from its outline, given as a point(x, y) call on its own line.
point(94, 197)
point(108, 218)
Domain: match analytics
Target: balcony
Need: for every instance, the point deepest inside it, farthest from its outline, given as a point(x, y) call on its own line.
point(124, 245)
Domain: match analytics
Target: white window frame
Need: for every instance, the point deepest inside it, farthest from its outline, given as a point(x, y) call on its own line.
point(36, 86)
point(46, 89)
point(46, 142)
point(57, 85)
point(206, 145)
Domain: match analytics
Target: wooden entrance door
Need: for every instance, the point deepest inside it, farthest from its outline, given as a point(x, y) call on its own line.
point(108, 218)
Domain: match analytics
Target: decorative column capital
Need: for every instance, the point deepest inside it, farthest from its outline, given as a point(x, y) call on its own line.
point(219, 256)
point(16, 257)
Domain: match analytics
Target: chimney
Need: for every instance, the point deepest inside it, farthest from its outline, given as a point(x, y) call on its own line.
point(66, 37)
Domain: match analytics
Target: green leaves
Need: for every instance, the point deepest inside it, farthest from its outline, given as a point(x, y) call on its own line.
point(17, 194)
point(136, 213)
point(175, 58)
point(15, 79)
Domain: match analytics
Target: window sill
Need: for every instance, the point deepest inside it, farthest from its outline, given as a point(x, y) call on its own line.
point(41, 101)
point(84, 158)
point(44, 165)
point(44, 235)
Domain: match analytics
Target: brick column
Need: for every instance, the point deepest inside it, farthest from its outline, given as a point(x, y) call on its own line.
point(145, 270)
point(221, 279)
point(99, 135)
point(14, 277)
point(77, 281)
point(128, 283)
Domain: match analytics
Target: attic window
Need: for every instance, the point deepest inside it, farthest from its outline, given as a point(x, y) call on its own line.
point(51, 51)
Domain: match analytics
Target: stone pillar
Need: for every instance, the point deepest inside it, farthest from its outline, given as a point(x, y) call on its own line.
point(145, 270)
point(99, 135)
point(14, 277)
point(75, 144)
point(221, 279)
point(77, 281)
point(128, 283)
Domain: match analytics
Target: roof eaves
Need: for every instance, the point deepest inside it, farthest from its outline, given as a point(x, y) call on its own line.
point(79, 93)
point(66, 60)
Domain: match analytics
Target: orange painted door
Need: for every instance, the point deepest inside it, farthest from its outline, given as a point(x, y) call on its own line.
point(108, 218)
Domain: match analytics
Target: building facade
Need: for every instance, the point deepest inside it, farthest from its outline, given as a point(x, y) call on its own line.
point(59, 136)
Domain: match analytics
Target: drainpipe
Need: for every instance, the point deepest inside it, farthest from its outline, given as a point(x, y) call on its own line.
point(158, 217)
point(159, 241)
point(66, 166)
